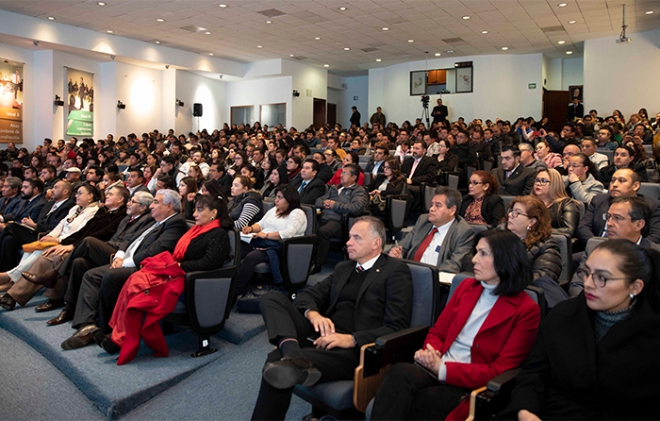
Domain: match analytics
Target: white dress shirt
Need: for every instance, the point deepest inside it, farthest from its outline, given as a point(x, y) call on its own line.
point(430, 256)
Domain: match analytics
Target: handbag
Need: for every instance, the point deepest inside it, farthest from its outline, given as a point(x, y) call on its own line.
point(38, 245)
point(378, 201)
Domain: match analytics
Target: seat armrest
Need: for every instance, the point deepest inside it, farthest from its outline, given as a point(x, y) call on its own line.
point(403, 338)
point(226, 271)
point(505, 379)
point(305, 239)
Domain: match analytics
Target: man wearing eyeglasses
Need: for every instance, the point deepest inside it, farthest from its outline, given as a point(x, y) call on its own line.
point(625, 219)
point(625, 183)
point(528, 159)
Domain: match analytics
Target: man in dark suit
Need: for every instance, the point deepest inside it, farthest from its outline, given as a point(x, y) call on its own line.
point(355, 117)
point(366, 297)
point(625, 183)
point(11, 190)
point(514, 179)
point(575, 110)
point(101, 286)
point(441, 238)
point(15, 235)
point(627, 219)
point(32, 201)
point(623, 158)
point(134, 181)
point(418, 169)
point(308, 185)
point(91, 253)
point(375, 165)
point(217, 173)
point(325, 172)
point(440, 112)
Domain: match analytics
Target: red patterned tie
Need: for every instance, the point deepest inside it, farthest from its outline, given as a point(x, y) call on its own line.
point(425, 244)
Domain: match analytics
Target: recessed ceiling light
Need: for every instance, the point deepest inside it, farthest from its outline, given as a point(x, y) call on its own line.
point(210, 54)
point(223, 5)
point(160, 20)
point(505, 48)
point(650, 12)
point(484, 32)
point(269, 21)
point(562, 5)
point(157, 42)
point(317, 38)
point(450, 51)
point(326, 65)
point(110, 31)
point(569, 52)
point(571, 22)
point(347, 49)
point(291, 55)
point(101, 3)
point(342, 8)
point(51, 18)
point(207, 33)
point(437, 54)
point(385, 28)
point(411, 40)
point(466, 17)
point(260, 46)
point(561, 42)
point(378, 60)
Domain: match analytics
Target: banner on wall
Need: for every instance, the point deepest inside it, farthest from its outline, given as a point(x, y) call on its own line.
point(11, 101)
point(79, 101)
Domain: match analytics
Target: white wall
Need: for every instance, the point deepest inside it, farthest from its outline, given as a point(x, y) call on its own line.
point(257, 92)
point(357, 86)
point(499, 88)
point(305, 78)
point(191, 89)
point(622, 76)
point(572, 72)
point(554, 75)
point(141, 90)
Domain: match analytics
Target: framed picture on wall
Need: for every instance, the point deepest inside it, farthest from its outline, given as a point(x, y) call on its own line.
point(418, 83)
point(576, 91)
point(463, 79)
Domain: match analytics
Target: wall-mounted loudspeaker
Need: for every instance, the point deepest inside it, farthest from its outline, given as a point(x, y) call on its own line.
point(198, 110)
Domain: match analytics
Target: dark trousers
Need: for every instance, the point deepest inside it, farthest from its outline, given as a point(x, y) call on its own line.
point(98, 295)
point(11, 240)
point(409, 392)
point(331, 229)
point(89, 254)
point(283, 319)
point(414, 198)
point(258, 251)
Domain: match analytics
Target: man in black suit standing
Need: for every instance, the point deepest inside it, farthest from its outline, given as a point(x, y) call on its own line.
point(514, 179)
point(440, 112)
point(418, 169)
point(355, 117)
point(575, 110)
point(366, 297)
point(308, 185)
point(101, 286)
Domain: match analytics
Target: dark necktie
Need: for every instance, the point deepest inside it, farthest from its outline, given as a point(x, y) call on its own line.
point(425, 244)
point(359, 269)
point(302, 187)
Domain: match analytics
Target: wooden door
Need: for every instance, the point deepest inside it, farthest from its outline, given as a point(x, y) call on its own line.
point(319, 112)
point(555, 104)
point(332, 114)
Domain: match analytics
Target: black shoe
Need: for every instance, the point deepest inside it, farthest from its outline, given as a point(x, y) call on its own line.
point(50, 304)
point(288, 372)
point(316, 268)
point(106, 342)
point(7, 302)
point(83, 337)
point(47, 279)
point(65, 315)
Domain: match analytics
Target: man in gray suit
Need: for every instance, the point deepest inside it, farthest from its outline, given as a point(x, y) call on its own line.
point(441, 237)
point(514, 178)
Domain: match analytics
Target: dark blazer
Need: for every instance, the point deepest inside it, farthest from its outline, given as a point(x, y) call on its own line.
point(456, 250)
point(592, 224)
point(312, 191)
point(126, 230)
point(424, 173)
point(384, 302)
point(9, 206)
point(225, 183)
point(574, 111)
point(46, 222)
point(370, 167)
point(102, 226)
point(393, 187)
point(492, 208)
point(450, 162)
point(568, 369)
point(520, 183)
point(141, 188)
point(325, 173)
point(161, 239)
point(605, 174)
point(32, 210)
point(207, 251)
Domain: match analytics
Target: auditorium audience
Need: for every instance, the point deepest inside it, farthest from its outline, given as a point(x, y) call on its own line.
point(564, 212)
point(246, 205)
point(481, 205)
point(581, 179)
point(390, 181)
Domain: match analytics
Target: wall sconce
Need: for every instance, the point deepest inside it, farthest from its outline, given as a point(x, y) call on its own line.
point(58, 101)
point(121, 105)
point(179, 103)
point(296, 93)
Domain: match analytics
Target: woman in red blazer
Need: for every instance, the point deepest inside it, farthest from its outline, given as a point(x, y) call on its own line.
point(488, 327)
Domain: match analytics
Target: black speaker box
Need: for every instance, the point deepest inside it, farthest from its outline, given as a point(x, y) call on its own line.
point(198, 110)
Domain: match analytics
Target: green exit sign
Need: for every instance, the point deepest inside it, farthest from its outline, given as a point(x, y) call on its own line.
point(531, 85)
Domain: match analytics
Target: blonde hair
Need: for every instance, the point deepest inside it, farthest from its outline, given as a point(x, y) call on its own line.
point(557, 192)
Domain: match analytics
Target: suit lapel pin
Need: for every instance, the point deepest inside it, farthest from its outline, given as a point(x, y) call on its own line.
point(377, 270)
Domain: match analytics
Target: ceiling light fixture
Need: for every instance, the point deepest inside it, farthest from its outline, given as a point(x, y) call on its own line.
point(260, 46)
point(569, 52)
point(347, 49)
point(571, 22)
point(411, 40)
point(211, 54)
point(484, 32)
point(269, 21)
point(157, 42)
point(317, 38)
point(562, 5)
point(505, 48)
point(110, 31)
point(207, 33)
point(326, 65)
point(650, 12)
point(223, 5)
point(291, 55)
point(561, 42)
point(438, 54)
point(51, 18)
point(343, 8)
point(466, 17)
point(101, 3)
point(160, 20)
point(378, 60)
point(450, 51)
point(385, 28)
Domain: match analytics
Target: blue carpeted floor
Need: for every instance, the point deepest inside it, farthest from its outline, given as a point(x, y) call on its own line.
point(40, 381)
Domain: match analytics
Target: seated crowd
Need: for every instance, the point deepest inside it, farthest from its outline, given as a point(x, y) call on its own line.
point(93, 222)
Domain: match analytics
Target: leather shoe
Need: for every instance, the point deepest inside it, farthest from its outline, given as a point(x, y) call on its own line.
point(288, 372)
point(65, 315)
point(47, 279)
point(50, 304)
point(7, 302)
point(316, 268)
point(4, 278)
point(83, 337)
point(106, 342)
point(6, 287)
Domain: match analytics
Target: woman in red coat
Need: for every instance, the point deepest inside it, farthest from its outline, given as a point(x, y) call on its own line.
point(488, 327)
point(204, 247)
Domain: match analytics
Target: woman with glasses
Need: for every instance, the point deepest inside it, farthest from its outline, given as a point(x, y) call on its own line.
point(390, 181)
point(581, 179)
point(481, 205)
point(564, 211)
point(293, 166)
point(544, 153)
point(596, 355)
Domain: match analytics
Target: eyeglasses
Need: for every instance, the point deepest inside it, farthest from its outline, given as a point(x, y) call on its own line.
point(541, 181)
point(386, 167)
point(576, 165)
point(514, 213)
point(476, 183)
point(617, 218)
point(599, 280)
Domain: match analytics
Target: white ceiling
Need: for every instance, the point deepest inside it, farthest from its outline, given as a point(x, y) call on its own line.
point(236, 31)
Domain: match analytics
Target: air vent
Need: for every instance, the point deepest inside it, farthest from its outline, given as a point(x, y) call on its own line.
point(192, 28)
point(309, 17)
point(370, 50)
point(453, 40)
point(271, 13)
point(300, 58)
point(558, 28)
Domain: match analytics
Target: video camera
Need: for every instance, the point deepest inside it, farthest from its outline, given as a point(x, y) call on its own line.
point(425, 101)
